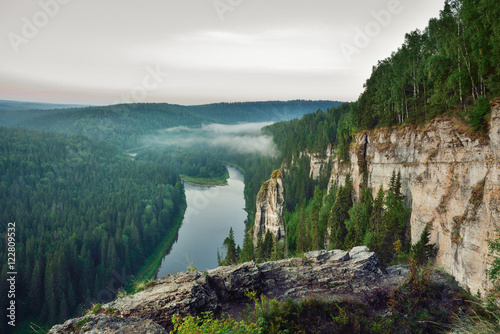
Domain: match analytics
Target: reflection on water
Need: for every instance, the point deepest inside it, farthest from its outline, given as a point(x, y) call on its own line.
point(210, 212)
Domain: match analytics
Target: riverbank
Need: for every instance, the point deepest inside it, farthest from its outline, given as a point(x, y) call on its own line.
point(153, 262)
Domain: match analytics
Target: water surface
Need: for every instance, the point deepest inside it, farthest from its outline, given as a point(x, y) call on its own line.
point(210, 212)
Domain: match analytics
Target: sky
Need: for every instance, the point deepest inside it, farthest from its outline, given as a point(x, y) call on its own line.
point(101, 52)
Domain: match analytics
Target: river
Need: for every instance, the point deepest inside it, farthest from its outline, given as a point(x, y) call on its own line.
point(210, 213)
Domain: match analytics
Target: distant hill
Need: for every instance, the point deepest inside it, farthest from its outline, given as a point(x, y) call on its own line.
point(122, 124)
point(14, 112)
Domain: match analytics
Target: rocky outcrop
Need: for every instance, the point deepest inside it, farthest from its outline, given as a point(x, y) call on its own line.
point(270, 208)
point(336, 274)
point(451, 180)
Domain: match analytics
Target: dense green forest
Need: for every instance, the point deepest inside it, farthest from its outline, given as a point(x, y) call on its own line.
point(452, 67)
point(84, 217)
point(195, 162)
point(125, 124)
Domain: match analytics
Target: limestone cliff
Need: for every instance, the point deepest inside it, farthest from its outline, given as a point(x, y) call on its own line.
point(451, 181)
point(269, 208)
point(335, 275)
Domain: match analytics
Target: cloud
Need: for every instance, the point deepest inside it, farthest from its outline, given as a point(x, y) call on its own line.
point(240, 138)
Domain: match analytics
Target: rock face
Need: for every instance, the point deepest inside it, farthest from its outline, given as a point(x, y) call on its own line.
point(270, 208)
point(336, 274)
point(451, 181)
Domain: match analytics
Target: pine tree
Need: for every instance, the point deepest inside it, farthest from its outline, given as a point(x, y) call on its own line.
point(230, 246)
point(423, 250)
point(340, 214)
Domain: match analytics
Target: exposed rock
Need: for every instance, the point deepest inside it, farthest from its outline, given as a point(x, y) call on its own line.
point(270, 208)
point(107, 324)
point(336, 274)
point(451, 180)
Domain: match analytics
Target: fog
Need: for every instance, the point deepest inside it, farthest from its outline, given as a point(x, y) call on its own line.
point(241, 138)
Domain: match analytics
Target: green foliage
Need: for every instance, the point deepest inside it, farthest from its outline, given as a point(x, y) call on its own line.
point(448, 66)
point(194, 163)
point(82, 212)
point(340, 214)
point(96, 308)
point(389, 222)
point(314, 132)
point(81, 323)
point(124, 125)
point(422, 250)
point(207, 324)
point(494, 270)
point(269, 316)
point(231, 252)
point(478, 116)
point(420, 305)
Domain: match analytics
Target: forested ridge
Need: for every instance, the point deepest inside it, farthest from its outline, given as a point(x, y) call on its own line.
point(125, 124)
point(82, 214)
point(451, 67)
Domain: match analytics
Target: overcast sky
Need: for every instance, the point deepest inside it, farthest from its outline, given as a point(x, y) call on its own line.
point(198, 51)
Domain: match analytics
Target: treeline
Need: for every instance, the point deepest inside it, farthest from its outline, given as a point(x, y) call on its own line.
point(452, 65)
point(313, 132)
point(125, 124)
point(333, 219)
point(191, 161)
point(84, 215)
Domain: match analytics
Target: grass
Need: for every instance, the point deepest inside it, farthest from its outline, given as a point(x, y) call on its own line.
point(207, 181)
point(96, 308)
point(31, 325)
point(238, 167)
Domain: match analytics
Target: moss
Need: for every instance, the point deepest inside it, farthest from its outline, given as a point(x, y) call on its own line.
point(277, 174)
point(447, 196)
point(433, 153)
point(470, 214)
point(82, 323)
point(96, 308)
point(384, 146)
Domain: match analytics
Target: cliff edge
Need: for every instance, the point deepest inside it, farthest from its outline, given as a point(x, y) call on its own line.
point(450, 179)
point(336, 274)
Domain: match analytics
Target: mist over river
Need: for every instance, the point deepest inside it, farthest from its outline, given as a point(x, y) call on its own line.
point(210, 213)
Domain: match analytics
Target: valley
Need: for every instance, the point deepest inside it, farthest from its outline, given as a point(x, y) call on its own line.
point(375, 214)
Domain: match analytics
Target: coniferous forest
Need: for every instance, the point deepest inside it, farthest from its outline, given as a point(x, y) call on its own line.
point(88, 215)
point(85, 216)
point(451, 68)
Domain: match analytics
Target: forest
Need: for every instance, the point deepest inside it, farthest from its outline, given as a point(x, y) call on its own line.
point(124, 125)
point(89, 211)
point(449, 68)
point(83, 213)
